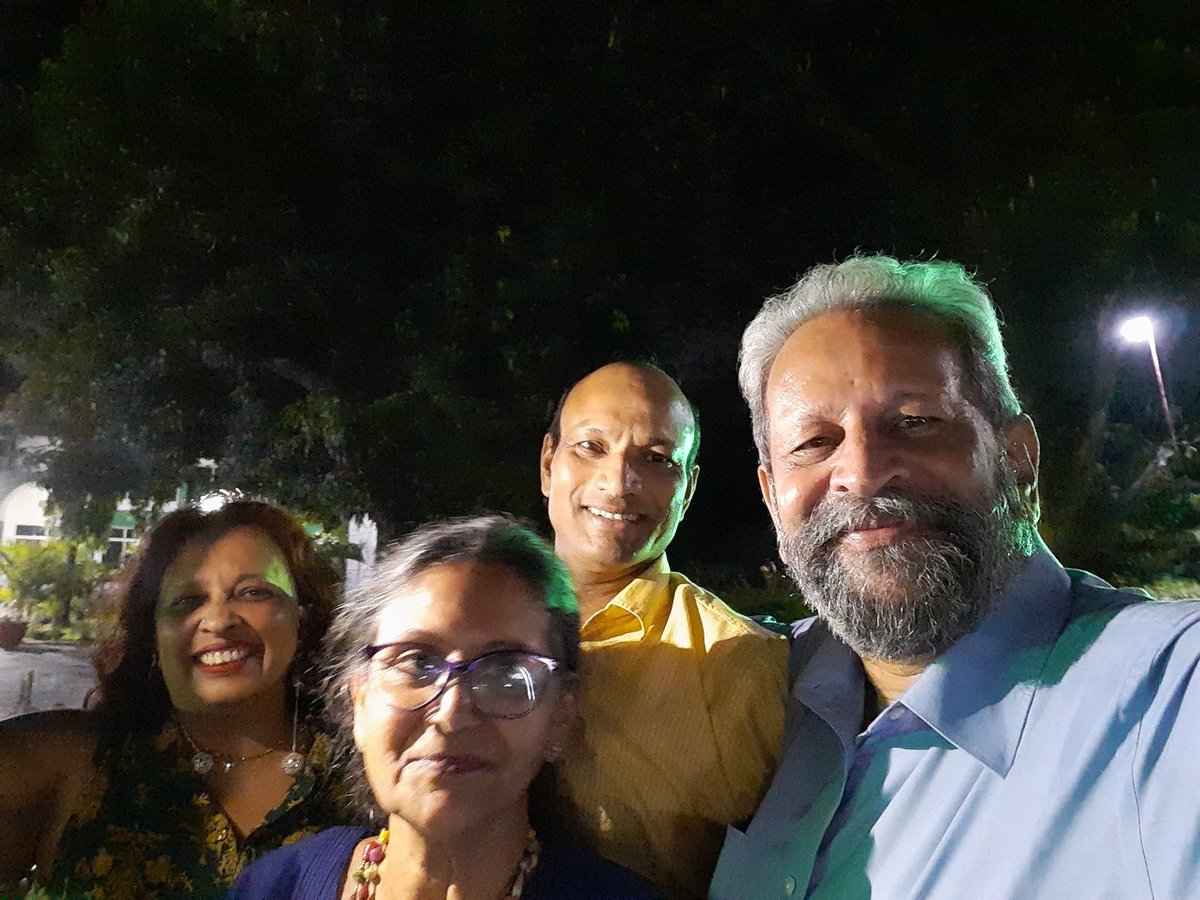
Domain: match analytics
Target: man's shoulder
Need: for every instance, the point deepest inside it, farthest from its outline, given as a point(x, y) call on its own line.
point(1128, 615)
point(713, 612)
point(1117, 641)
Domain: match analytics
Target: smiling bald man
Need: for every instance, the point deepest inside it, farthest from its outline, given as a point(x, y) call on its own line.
point(682, 696)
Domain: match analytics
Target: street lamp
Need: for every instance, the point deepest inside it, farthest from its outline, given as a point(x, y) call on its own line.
point(1140, 329)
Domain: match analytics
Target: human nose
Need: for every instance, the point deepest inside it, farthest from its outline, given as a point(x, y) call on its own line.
point(218, 614)
point(453, 708)
point(619, 475)
point(865, 464)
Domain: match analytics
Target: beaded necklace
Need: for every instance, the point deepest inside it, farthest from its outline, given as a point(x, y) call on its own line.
point(366, 875)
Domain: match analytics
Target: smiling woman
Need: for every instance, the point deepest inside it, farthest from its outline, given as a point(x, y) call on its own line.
point(198, 753)
point(452, 680)
point(227, 621)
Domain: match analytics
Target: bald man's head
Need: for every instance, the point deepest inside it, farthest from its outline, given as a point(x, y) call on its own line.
point(618, 469)
point(554, 431)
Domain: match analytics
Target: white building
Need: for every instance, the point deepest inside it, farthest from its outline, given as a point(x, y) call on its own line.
point(23, 515)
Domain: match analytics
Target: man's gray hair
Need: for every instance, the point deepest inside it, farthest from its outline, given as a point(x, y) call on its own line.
point(941, 290)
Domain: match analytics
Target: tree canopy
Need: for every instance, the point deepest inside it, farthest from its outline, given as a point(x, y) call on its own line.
point(354, 253)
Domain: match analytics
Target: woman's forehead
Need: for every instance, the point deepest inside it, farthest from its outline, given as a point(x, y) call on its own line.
point(467, 605)
point(243, 550)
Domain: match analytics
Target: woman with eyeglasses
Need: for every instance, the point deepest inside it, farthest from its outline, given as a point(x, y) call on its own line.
point(452, 679)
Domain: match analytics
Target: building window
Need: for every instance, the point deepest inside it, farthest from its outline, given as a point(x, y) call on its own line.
point(31, 534)
point(121, 544)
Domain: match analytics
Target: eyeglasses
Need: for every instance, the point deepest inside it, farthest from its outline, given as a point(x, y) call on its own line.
point(504, 684)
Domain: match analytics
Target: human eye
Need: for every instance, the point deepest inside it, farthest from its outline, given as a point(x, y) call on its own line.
point(813, 443)
point(659, 458)
point(589, 447)
point(513, 669)
point(909, 422)
point(183, 603)
point(256, 592)
point(414, 665)
point(510, 676)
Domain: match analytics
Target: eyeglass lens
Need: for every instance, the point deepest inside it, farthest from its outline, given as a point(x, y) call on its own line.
point(504, 684)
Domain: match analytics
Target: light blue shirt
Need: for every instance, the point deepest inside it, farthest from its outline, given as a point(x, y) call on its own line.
point(1052, 753)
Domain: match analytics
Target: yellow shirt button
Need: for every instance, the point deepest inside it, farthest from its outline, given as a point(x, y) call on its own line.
point(789, 886)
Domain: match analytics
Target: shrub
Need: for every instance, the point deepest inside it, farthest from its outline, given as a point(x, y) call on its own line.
point(38, 576)
point(764, 591)
point(1172, 588)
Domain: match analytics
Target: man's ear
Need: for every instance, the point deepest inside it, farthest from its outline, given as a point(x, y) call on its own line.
point(1022, 448)
point(693, 478)
point(766, 487)
point(547, 458)
point(1023, 451)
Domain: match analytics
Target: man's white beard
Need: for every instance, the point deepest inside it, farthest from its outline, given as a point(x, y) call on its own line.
point(910, 600)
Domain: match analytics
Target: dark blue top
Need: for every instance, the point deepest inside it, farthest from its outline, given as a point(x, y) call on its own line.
point(313, 869)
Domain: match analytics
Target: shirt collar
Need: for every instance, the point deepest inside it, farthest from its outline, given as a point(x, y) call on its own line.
point(978, 693)
point(832, 682)
point(642, 597)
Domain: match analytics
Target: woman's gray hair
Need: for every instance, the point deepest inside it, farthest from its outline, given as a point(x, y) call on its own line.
point(491, 539)
point(941, 290)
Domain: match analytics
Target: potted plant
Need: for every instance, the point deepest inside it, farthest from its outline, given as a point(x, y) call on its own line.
point(12, 629)
point(13, 614)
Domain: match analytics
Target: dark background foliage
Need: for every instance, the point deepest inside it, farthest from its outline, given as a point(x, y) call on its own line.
point(354, 252)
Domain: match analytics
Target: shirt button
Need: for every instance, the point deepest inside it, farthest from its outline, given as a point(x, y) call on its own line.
point(789, 886)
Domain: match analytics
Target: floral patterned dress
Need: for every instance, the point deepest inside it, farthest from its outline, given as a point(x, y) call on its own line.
point(148, 827)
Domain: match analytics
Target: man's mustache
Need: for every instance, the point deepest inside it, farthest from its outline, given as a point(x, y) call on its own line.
point(836, 515)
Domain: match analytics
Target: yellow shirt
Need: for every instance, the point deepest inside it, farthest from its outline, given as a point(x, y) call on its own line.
point(681, 716)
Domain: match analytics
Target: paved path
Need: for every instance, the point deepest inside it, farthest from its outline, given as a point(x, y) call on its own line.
point(62, 674)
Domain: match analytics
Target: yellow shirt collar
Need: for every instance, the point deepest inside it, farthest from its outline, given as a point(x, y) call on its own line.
point(645, 598)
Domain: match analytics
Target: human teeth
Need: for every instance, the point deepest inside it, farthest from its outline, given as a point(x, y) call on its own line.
point(221, 657)
point(616, 517)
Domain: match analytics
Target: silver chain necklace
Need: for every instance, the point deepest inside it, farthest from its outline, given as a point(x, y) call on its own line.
point(204, 761)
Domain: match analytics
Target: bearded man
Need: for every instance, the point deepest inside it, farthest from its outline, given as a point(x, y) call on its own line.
point(967, 718)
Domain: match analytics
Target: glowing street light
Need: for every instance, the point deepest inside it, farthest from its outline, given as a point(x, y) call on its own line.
point(212, 502)
point(1140, 329)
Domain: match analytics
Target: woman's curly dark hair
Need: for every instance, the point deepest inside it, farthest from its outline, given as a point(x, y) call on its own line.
point(130, 694)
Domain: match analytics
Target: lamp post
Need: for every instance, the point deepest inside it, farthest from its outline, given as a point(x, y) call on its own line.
point(1137, 330)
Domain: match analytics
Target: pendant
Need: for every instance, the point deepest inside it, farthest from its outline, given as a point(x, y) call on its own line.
point(293, 764)
point(202, 762)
